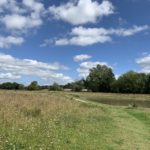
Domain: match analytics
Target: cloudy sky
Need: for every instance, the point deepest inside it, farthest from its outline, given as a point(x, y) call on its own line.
point(59, 41)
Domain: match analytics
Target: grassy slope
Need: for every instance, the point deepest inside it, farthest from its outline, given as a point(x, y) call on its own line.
point(53, 120)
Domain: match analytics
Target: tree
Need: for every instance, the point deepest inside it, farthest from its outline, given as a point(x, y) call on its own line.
point(21, 87)
point(56, 87)
point(132, 82)
point(68, 86)
point(114, 87)
point(147, 84)
point(11, 86)
point(78, 86)
point(33, 86)
point(100, 79)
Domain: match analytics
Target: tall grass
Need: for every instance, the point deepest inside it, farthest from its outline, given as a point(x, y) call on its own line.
point(53, 120)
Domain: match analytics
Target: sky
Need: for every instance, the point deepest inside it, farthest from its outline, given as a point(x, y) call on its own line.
point(59, 41)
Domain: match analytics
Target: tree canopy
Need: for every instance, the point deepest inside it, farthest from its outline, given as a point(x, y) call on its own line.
point(33, 86)
point(132, 82)
point(100, 79)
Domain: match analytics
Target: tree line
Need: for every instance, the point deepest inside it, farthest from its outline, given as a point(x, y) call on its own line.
point(31, 87)
point(100, 79)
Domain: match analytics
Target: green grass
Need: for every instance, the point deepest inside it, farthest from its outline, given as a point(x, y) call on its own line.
point(54, 120)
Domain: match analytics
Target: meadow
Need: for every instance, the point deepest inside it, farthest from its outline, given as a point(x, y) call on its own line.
point(44, 120)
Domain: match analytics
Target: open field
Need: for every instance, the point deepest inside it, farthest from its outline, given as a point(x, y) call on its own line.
point(46, 120)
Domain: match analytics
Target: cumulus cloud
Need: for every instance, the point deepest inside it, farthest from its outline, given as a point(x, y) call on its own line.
point(18, 18)
point(82, 36)
point(22, 16)
point(6, 42)
point(81, 57)
point(9, 76)
point(20, 22)
point(14, 68)
point(85, 67)
point(3, 2)
point(144, 62)
point(82, 11)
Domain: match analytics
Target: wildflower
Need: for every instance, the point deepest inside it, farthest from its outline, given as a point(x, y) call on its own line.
point(20, 129)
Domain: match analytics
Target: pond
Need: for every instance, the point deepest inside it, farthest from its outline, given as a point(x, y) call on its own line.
point(137, 103)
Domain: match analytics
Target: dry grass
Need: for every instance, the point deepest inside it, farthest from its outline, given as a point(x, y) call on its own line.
point(53, 120)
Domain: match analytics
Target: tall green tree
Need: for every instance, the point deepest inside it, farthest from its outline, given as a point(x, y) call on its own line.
point(100, 79)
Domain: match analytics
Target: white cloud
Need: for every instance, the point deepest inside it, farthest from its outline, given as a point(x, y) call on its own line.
point(18, 18)
point(88, 36)
point(130, 31)
point(21, 16)
point(144, 62)
point(6, 42)
point(10, 6)
point(19, 22)
point(81, 57)
point(14, 21)
point(85, 67)
point(3, 2)
point(14, 68)
point(34, 5)
point(46, 42)
point(82, 11)
point(9, 76)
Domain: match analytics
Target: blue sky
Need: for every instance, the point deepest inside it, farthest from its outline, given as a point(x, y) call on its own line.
point(59, 41)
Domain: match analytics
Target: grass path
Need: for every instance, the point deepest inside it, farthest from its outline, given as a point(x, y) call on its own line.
point(133, 122)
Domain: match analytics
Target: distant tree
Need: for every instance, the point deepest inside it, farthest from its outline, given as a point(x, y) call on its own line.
point(147, 84)
point(11, 86)
point(100, 79)
point(15, 86)
point(132, 82)
point(68, 86)
point(55, 87)
point(33, 86)
point(21, 87)
point(43, 87)
point(6, 85)
point(78, 86)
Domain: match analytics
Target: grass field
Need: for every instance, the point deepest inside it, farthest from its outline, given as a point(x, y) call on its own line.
point(57, 121)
